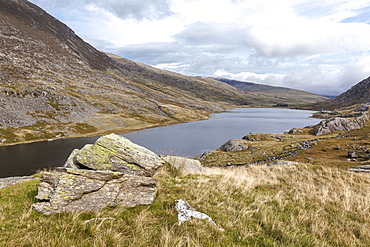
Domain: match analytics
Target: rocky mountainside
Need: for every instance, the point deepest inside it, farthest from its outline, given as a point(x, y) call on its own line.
point(53, 84)
point(273, 94)
point(358, 94)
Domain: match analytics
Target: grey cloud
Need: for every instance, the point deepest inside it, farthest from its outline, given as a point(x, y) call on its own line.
point(136, 9)
point(124, 9)
point(156, 52)
point(201, 33)
point(245, 39)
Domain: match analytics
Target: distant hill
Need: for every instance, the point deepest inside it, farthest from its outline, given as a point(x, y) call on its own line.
point(275, 95)
point(358, 94)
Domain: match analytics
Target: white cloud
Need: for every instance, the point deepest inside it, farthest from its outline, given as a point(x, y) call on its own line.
point(315, 45)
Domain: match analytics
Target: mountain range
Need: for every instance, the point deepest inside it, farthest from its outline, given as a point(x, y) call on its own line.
point(274, 94)
point(54, 85)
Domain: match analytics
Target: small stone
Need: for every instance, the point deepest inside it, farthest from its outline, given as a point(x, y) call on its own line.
point(352, 154)
point(185, 212)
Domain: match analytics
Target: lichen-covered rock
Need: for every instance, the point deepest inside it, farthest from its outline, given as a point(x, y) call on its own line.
point(77, 190)
point(112, 171)
point(70, 163)
point(233, 146)
point(116, 153)
point(185, 165)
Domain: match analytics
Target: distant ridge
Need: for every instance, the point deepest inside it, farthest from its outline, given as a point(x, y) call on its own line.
point(277, 95)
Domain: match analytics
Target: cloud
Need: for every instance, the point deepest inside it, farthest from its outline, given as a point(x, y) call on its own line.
point(123, 9)
point(316, 45)
point(135, 9)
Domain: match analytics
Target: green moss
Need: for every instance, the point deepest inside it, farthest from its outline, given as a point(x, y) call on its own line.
point(8, 134)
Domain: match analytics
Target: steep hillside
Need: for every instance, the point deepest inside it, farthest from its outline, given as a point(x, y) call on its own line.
point(53, 84)
point(358, 94)
point(275, 95)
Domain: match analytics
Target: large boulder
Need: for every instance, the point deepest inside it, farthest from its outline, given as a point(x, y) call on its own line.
point(185, 165)
point(112, 171)
point(116, 153)
point(77, 190)
point(233, 146)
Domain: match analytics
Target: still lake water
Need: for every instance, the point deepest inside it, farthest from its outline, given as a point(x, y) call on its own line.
point(186, 139)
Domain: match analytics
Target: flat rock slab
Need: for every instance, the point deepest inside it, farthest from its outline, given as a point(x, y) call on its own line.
point(364, 168)
point(116, 153)
point(282, 163)
point(4, 182)
point(78, 190)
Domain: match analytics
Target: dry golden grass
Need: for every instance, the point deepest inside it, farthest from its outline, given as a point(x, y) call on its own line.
point(303, 205)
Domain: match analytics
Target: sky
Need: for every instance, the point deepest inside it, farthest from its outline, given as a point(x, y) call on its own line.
point(320, 46)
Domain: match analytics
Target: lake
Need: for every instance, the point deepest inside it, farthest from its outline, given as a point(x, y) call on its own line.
point(186, 139)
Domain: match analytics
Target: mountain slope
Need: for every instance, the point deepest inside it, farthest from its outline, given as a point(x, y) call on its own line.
point(275, 95)
point(53, 84)
point(358, 94)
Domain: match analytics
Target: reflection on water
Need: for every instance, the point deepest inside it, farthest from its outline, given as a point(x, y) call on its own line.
point(187, 139)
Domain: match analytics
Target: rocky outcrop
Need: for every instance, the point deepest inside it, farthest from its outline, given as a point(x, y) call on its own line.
point(339, 123)
point(112, 171)
point(233, 146)
point(184, 165)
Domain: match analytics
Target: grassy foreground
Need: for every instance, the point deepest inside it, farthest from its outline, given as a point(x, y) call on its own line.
point(302, 205)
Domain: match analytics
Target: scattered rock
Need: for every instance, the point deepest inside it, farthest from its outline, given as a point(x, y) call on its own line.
point(304, 145)
point(294, 131)
point(338, 148)
point(254, 136)
point(233, 146)
point(185, 212)
point(362, 108)
point(352, 154)
point(185, 165)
